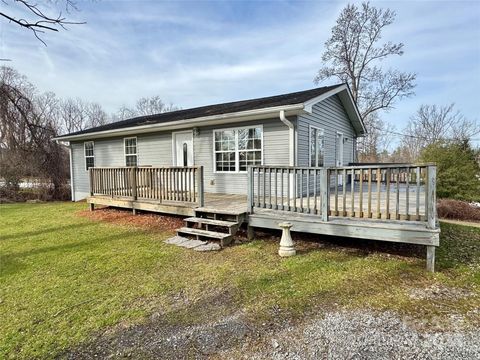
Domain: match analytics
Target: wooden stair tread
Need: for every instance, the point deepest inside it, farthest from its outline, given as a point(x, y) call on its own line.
point(211, 222)
point(205, 233)
point(220, 211)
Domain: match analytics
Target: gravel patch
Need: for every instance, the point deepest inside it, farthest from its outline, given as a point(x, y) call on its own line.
point(364, 335)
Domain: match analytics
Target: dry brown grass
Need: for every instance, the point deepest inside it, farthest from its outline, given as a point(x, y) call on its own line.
point(458, 210)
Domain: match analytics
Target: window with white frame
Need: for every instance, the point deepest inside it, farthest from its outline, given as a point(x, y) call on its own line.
point(317, 147)
point(236, 149)
point(89, 154)
point(130, 151)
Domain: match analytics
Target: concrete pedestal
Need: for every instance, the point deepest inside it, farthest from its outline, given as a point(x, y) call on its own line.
point(286, 243)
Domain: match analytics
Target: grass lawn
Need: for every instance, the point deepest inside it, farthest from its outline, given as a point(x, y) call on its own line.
point(64, 277)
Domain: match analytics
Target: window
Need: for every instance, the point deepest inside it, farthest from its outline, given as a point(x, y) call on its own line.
point(89, 154)
point(236, 149)
point(130, 151)
point(317, 147)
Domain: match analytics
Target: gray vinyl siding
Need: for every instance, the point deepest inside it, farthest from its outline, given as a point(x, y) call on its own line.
point(275, 152)
point(156, 150)
point(330, 116)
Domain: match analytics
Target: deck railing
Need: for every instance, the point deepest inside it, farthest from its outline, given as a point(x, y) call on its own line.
point(172, 184)
point(390, 192)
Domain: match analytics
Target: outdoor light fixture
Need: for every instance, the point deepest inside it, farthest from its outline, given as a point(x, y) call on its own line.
point(196, 131)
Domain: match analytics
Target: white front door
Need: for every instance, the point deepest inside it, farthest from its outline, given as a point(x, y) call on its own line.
point(183, 148)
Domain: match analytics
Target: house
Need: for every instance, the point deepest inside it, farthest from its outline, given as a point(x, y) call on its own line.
point(285, 158)
point(317, 127)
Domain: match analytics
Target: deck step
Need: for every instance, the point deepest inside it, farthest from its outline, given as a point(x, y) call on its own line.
point(204, 233)
point(206, 221)
point(220, 211)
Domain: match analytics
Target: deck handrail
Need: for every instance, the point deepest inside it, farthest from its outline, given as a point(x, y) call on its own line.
point(178, 184)
point(386, 192)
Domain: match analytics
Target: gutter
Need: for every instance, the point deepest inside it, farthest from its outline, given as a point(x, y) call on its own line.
point(256, 114)
point(291, 138)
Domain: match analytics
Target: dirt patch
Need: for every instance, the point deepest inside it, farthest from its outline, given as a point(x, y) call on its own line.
point(146, 221)
point(194, 328)
point(439, 292)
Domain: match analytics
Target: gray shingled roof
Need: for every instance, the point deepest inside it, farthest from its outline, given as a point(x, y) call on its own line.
point(210, 110)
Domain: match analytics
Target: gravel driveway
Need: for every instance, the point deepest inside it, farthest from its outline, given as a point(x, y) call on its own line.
point(335, 335)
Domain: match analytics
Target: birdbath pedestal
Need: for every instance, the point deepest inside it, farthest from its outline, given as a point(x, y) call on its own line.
point(286, 242)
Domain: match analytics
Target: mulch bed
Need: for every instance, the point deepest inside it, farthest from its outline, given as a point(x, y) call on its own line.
point(146, 221)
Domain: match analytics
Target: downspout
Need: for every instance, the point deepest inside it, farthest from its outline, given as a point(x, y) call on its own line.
point(291, 147)
point(291, 138)
point(72, 187)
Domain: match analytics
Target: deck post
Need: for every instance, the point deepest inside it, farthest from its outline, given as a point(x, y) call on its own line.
point(431, 197)
point(250, 232)
point(250, 201)
point(200, 187)
point(134, 182)
point(90, 178)
point(430, 258)
point(324, 189)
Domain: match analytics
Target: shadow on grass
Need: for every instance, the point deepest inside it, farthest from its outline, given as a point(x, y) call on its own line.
point(14, 262)
point(42, 231)
point(306, 243)
point(214, 323)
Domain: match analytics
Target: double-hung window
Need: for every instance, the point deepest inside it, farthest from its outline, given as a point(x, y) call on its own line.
point(236, 149)
point(317, 147)
point(89, 154)
point(130, 151)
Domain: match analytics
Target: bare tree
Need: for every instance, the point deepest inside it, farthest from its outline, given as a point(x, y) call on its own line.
point(38, 19)
point(432, 124)
point(353, 55)
point(76, 115)
point(145, 106)
point(28, 122)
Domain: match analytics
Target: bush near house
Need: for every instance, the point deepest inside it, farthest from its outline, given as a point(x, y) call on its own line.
point(458, 172)
point(458, 210)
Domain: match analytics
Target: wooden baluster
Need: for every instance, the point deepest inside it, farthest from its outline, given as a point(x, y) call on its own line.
point(344, 191)
point(269, 188)
point(360, 201)
point(387, 184)
point(301, 189)
point(407, 194)
point(315, 205)
point(264, 187)
point(308, 191)
point(281, 189)
point(324, 189)
point(288, 190)
point(431, 197)
point(352, 194)
point(369, 205)
point(379, 185)
point(276, 188)
point(258, 188)
point(294, 189)
point(417, 205)
point(336, 193)
point(397, 200)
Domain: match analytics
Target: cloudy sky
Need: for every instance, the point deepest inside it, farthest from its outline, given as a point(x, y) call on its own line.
point(199, 53)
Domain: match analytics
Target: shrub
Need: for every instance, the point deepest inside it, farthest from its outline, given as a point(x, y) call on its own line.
point(458, 172)
point(458, 210)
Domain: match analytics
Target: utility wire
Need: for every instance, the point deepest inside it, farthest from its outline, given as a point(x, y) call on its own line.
point(416, 136)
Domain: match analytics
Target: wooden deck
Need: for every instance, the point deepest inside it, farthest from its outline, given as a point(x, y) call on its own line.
point(387, 203)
